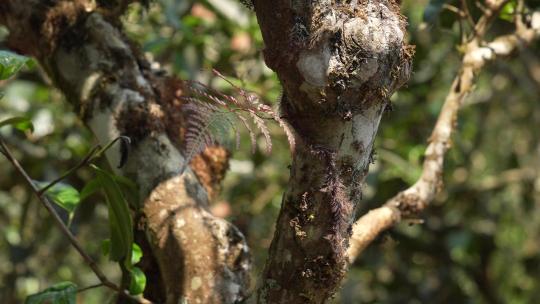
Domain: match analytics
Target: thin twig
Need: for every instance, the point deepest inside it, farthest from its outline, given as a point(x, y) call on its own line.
point(84, 162)
point(47, 204)
point(89, 287)
point(487, 18)
point(96, 152)
point(467, 13)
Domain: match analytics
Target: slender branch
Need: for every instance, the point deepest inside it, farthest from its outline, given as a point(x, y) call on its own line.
point(47, 204)
point(85, 161)
point(416, 198)
point(96, 152)
point(89, 287)
point(490, 13)
point(467, 13)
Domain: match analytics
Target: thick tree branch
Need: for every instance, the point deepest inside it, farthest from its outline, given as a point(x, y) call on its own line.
point(415, 199)
point(201, 258)
point(338, 62)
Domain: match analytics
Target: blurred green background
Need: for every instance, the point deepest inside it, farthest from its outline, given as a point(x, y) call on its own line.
point(480, 240)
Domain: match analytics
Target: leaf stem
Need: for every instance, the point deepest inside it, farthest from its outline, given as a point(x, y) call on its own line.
point(85, 161)
point(89, 287)
point(96, 152)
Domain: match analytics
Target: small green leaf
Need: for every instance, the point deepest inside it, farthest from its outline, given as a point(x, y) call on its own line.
point(120, 223)
point(136, 254)
point(508, 11)
point(61, 293)
point(106, 247)
point(63, 195)
point(10, 63)
point(21, 123)
point(138, 281)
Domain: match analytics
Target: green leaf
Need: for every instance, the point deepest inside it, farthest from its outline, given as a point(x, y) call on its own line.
point(90, 188)
point(106, 247)
point(508, 11)
point(21, 123)
point(136, 254)
point(120, 223)
point(138, 281)
point(63, 195)
point(61, 293)
point(10, 63)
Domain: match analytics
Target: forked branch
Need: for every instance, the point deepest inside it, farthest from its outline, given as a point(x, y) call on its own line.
point(415, 199)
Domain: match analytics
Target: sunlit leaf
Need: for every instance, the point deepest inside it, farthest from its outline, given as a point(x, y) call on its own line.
point(138, 281)
point(21, 123)
point(61, 293)
point(136, 254)
point(63, 195)
point(10, 63)
point(508, 11)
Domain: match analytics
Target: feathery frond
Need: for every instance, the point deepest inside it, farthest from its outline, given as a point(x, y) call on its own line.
point(213, 117)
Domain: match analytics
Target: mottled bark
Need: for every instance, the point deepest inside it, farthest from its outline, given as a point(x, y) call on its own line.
point(202, 259)
point(339, 62)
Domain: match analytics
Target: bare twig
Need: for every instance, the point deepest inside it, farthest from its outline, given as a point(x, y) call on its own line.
point(490, 13)
point(96, 152)
point(467, 13)
point(74, 242)
point(416, 198)
point(89, 287)
point(85, 161)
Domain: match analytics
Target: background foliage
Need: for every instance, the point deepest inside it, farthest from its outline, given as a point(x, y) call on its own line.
point(478, 243)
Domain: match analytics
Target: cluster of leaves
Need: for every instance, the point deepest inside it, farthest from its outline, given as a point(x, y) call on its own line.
point(120, 247)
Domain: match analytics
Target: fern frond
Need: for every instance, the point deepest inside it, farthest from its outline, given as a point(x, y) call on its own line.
point(261, 125)
point(252, 136)
point(212, 117)
point(207, 125)
point(288, 131)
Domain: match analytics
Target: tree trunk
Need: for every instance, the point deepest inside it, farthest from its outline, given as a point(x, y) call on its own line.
point(202, 259)
point(339, 62)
